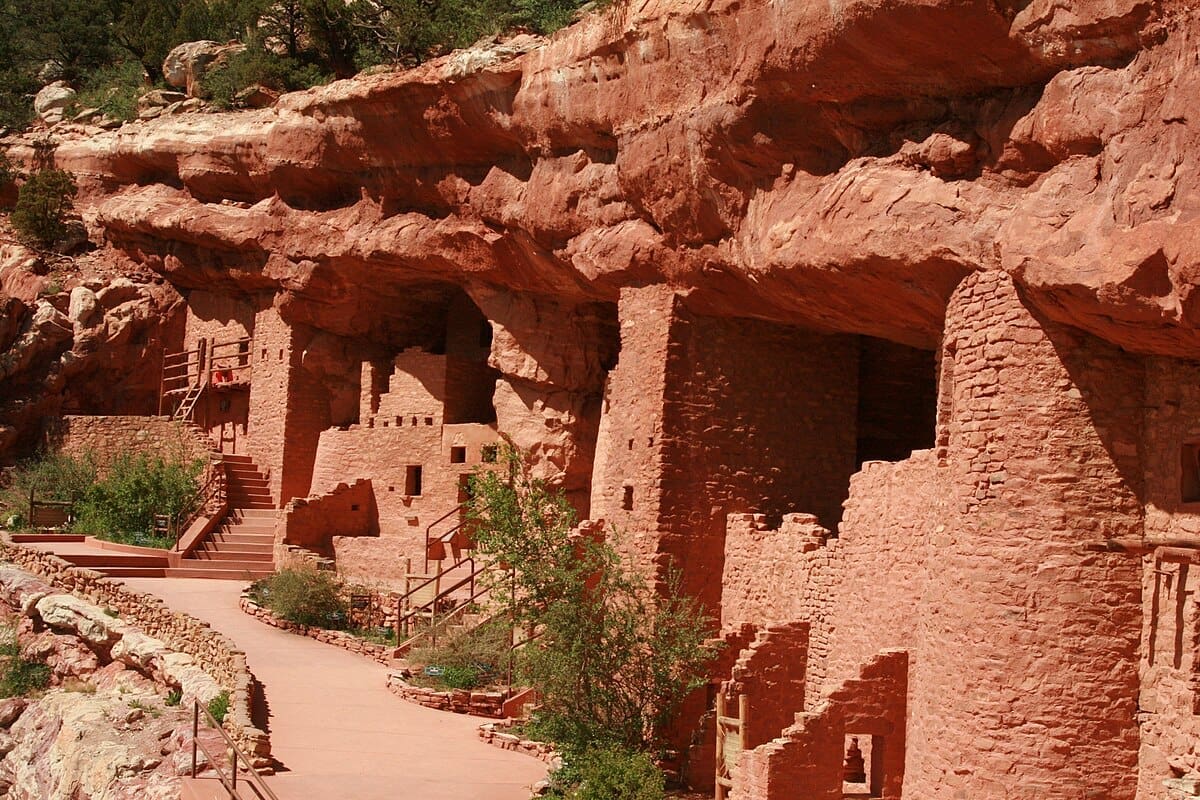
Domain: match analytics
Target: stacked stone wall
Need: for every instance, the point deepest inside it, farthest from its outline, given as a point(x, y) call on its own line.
point(218, 656)
point(1170, 656)
point(106, 436)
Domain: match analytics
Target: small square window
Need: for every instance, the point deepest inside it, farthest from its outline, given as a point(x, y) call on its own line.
point(429, 420)
point(458, 455)
point(489, 453)
point(354, 506)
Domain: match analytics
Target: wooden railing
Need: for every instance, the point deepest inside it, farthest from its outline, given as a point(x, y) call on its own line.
point(229, 362)
point(188, 373)
point(241, 784)
point(180, 372)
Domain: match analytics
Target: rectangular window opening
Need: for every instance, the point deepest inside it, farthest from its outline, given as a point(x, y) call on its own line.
point(458, 455)
point(1189, 474)
point(412, 480)
point(627, 498)
point(490, 453)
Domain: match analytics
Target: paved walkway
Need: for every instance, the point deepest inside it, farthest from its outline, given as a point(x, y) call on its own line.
point(335, 727)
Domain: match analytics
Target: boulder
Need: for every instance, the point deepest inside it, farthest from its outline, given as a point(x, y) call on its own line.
point(184, 67)
point(159, 98)
point(50, 104)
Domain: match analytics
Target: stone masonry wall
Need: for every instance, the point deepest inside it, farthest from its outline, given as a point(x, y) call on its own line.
point(382, 456)
point(219, 656)
point(313, 522)
point(758, 417)
point(1041, 433)
point(1170, 656)
point(105, 436)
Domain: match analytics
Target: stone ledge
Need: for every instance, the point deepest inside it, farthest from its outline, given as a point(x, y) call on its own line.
point(496, 734)
point(379, 652)
point(459, 701)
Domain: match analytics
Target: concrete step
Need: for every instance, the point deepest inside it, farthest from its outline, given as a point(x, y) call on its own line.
point(240, 547)
point(133, 572)
point(242, 538)
point(113, 560)
point(223, 564)
point(246, 530)
point(254, 505)
point(230, 458)
point(219, 574)
point(254, 513)
point(47, 538)
point(226, 555)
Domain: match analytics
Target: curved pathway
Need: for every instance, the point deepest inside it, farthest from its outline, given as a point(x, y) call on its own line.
point(335, 727)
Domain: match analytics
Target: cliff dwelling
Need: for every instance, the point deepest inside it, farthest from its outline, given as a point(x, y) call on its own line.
point(867, 327)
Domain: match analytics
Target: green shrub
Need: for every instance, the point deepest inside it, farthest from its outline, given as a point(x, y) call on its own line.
point(43, 202)
point(461, 677)
point(51, 477)
point(174, 698)
point(616, 655)
point(113, 89)
point(19, 676)
point(615, 773)
point(256, 65)
point(306, 597)
point(121, 506)
point(219, 706)
point(468, 656)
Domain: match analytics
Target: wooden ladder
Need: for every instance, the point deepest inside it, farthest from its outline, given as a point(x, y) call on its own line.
point(731, 740)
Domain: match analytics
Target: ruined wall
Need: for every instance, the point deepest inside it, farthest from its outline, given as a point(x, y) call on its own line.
point(896, 400)
point(1170, 663)
point(751, 417)
point(384, 456)
point(312, 522)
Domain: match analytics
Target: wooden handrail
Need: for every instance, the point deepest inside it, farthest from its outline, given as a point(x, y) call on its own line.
point(253, 781)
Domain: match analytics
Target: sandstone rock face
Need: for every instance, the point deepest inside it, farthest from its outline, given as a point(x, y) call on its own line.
point(915, 278)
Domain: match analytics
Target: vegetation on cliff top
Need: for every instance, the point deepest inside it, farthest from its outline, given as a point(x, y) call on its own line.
point(111, 49)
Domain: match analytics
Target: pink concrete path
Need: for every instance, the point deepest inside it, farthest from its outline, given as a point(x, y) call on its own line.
point(336, 728)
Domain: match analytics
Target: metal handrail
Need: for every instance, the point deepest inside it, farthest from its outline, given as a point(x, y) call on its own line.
point(253, 781)
point(442, 538)
point(434, 623)
point(214, 490)
point(402, 616)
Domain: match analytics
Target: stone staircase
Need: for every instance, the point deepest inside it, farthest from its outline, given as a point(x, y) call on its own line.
point(242, 547)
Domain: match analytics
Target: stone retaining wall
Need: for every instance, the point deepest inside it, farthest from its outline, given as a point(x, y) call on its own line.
point(460, 701)
point(220, 657)
point(497, 735)
point(380, 652)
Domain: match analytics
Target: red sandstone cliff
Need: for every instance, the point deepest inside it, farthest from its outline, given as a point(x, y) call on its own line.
point(710, 189)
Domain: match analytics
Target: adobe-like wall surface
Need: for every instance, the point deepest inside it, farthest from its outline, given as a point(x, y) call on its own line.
point(708, 264)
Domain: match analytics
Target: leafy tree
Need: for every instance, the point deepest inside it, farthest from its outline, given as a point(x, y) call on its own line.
point(42, 203)
point(612, 658)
